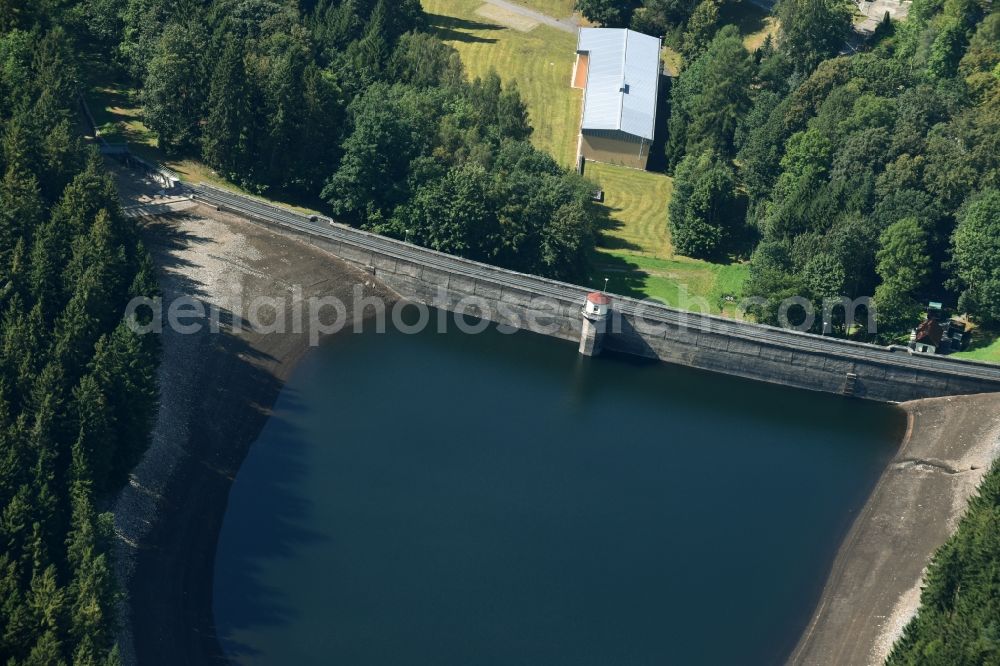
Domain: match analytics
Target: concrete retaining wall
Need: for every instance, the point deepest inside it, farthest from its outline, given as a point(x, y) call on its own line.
point(640, 328)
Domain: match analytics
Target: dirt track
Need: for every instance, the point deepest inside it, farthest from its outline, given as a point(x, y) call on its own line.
point(874, 585)
point(216, 392)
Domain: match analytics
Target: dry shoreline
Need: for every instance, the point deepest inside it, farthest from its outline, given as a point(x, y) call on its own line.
point(874, 584)
point(216, 393)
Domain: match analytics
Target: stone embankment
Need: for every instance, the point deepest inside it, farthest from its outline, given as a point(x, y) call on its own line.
point(216, 390)
point(874, 586)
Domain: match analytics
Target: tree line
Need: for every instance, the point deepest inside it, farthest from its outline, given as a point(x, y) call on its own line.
point(77, 389)
point(354, 102)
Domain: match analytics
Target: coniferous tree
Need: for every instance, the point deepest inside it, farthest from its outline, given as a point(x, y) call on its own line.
point(20, 209)
point(227, 133)
point(703, 214)
point(68, 261)
point(709, 98)
point(174, 92)
point(812, 30)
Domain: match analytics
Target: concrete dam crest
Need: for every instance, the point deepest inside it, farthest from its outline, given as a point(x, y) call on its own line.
point(627, 325)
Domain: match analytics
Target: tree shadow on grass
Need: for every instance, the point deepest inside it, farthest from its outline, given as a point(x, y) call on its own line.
point(623, 277)
point(451, 28)
point(657, 161)
point(606, 225)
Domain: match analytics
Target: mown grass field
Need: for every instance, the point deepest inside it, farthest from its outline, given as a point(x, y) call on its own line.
point(636, 204)
point(684, 283)
point(635, 254)
point(985, 347)
point(540, 61)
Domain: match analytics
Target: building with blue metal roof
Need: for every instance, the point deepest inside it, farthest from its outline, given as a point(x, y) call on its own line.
point(619, 71)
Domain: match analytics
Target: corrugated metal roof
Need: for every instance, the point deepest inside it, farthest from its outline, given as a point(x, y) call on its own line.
point(623, 80)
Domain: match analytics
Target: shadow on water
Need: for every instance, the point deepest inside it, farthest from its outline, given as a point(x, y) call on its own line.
point(272, 525)
point(172, 589)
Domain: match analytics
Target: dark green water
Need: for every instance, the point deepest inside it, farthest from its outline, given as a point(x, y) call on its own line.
point(462, 500)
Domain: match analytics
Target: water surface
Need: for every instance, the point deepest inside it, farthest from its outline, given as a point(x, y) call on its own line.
point(496, 499)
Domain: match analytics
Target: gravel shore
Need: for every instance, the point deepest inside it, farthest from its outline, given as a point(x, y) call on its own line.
point(216, 390)
point(874, 586)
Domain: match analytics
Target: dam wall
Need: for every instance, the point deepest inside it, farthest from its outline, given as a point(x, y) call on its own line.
point(635, 327)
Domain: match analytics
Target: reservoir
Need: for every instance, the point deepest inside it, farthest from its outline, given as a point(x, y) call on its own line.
point(453, 499)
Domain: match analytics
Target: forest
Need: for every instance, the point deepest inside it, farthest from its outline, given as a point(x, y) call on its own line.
point(77, 389)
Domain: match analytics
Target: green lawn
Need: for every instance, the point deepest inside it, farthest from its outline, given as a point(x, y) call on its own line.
point(634, 252)
point(683, 283)
point(636, 204)
point(540, 61)
point(985, 347)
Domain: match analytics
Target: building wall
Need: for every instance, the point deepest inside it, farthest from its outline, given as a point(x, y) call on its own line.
point(615, 150)
point(581, 70)
point(643, 329)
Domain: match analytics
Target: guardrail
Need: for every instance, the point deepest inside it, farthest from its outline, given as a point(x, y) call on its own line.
point(647, 311)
